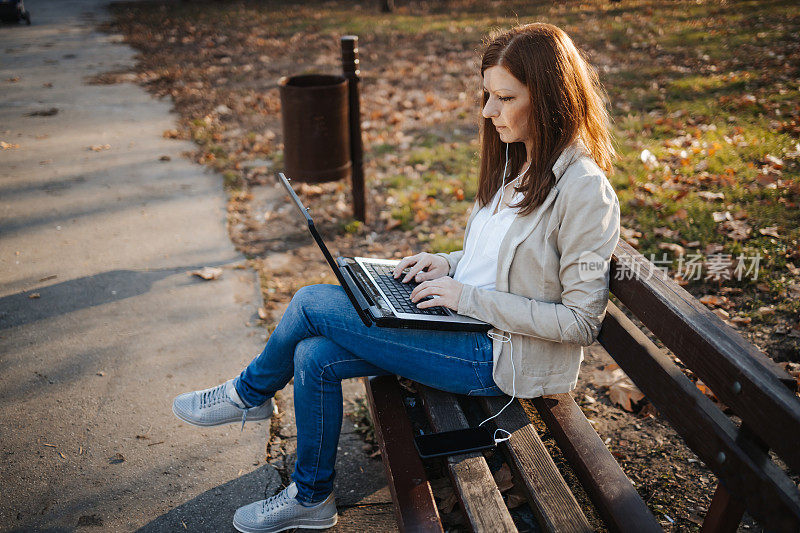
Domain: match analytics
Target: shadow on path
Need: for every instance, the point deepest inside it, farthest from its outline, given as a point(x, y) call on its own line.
point(81, 293)
point(213, 510)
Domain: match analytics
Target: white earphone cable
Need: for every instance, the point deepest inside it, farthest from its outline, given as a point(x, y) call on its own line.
point(504, 339)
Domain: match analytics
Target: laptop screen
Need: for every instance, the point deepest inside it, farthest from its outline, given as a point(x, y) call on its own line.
point(328, 257)
point(303, 211)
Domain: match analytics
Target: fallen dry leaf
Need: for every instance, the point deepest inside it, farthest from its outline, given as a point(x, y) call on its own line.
point(767, 179)
point(677, 249)
point(34, 295)
point(624, 393)
point(681, 214)
point(607, 375)
point(666, 232)
point(771, 231)
point(774, 161)
point(737, 230)
point(723, 314)
point(714, 300)
point(207, 273)
point(621, 389)
point(648, 159)
point(705, 390)
point(719, 216)
point(43, 112)
point(311, 190)
point(793, 290)
point(710, 196)
point(503, 478)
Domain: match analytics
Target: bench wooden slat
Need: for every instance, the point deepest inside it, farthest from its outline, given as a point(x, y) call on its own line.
point(746, 471)
point(606, 484)
point(414, 505)
point(548, 494)
point(713, 350)
point(481, 500)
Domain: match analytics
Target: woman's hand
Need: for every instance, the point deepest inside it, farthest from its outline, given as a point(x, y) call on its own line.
point(423, 267)
point(445, 291)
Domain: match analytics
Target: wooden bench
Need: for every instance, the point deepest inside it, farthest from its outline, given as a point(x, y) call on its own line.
point(759, 392)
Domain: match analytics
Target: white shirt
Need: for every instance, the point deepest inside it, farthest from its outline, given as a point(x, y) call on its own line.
point(478, 266)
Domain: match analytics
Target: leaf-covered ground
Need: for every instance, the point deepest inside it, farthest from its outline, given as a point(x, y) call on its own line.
point(705, 98)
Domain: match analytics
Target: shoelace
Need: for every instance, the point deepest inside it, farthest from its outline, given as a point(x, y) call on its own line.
point(273, 502)
point(213, 396)
point(216, 395)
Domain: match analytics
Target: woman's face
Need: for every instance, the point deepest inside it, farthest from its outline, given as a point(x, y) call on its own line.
point(508, 106)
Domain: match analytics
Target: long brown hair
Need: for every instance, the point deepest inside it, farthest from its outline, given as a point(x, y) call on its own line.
point(566, 105)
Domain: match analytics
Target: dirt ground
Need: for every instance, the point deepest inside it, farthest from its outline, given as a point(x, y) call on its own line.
point(223, 85)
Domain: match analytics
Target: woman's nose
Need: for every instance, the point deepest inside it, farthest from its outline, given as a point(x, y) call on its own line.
point(489, 110)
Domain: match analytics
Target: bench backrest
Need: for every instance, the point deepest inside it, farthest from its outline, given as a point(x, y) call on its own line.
point(740, 376)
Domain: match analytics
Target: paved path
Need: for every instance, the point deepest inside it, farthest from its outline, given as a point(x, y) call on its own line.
point(88, 369)
point(100, 324)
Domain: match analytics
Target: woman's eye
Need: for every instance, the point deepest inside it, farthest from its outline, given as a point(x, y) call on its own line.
point(505, 98)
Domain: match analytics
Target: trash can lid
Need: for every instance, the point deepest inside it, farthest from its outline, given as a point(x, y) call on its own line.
point(312, 81)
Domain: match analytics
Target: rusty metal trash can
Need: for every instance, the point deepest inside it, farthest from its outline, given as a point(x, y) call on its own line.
point(316, 131)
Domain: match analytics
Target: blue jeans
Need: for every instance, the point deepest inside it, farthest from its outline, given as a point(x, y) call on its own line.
point(320, 341)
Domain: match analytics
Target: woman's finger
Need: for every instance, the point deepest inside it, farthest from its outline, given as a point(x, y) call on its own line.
point(428, 291)
point(414, 270)
point(418, 289)
point(403, 264)
point(433, 302)
point(430, 303)
point(427, 275)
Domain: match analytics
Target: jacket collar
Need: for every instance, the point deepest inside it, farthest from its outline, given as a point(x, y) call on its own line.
point(570, 154)
point(524, 226)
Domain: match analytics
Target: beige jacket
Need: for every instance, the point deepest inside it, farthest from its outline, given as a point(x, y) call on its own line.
point(552, 280)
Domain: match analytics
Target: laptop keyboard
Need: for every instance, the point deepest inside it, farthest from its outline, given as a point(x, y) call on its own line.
point(397, 292)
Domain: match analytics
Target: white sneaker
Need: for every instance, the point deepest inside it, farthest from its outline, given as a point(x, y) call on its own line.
point(282, 512)
point(218, 405)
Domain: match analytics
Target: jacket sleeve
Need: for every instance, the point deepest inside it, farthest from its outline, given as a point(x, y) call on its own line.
point(588, 234)
point(452, 259)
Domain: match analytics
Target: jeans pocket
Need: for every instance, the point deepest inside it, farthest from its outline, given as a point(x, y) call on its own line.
point(488, 391)
point(483, 347)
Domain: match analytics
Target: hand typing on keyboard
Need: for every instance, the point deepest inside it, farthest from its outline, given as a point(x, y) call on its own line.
point(397, 293)
point(421, 267)
point(445, 292)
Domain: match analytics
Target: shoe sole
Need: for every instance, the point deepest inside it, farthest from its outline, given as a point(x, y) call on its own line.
point(306, 523)
point(222, 423)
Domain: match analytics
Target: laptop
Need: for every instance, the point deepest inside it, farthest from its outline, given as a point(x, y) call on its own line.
point(378, 298)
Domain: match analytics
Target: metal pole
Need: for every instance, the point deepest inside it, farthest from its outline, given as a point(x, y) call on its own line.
point(350, 64)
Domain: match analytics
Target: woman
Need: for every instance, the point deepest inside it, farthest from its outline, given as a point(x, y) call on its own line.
point(534, 265)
